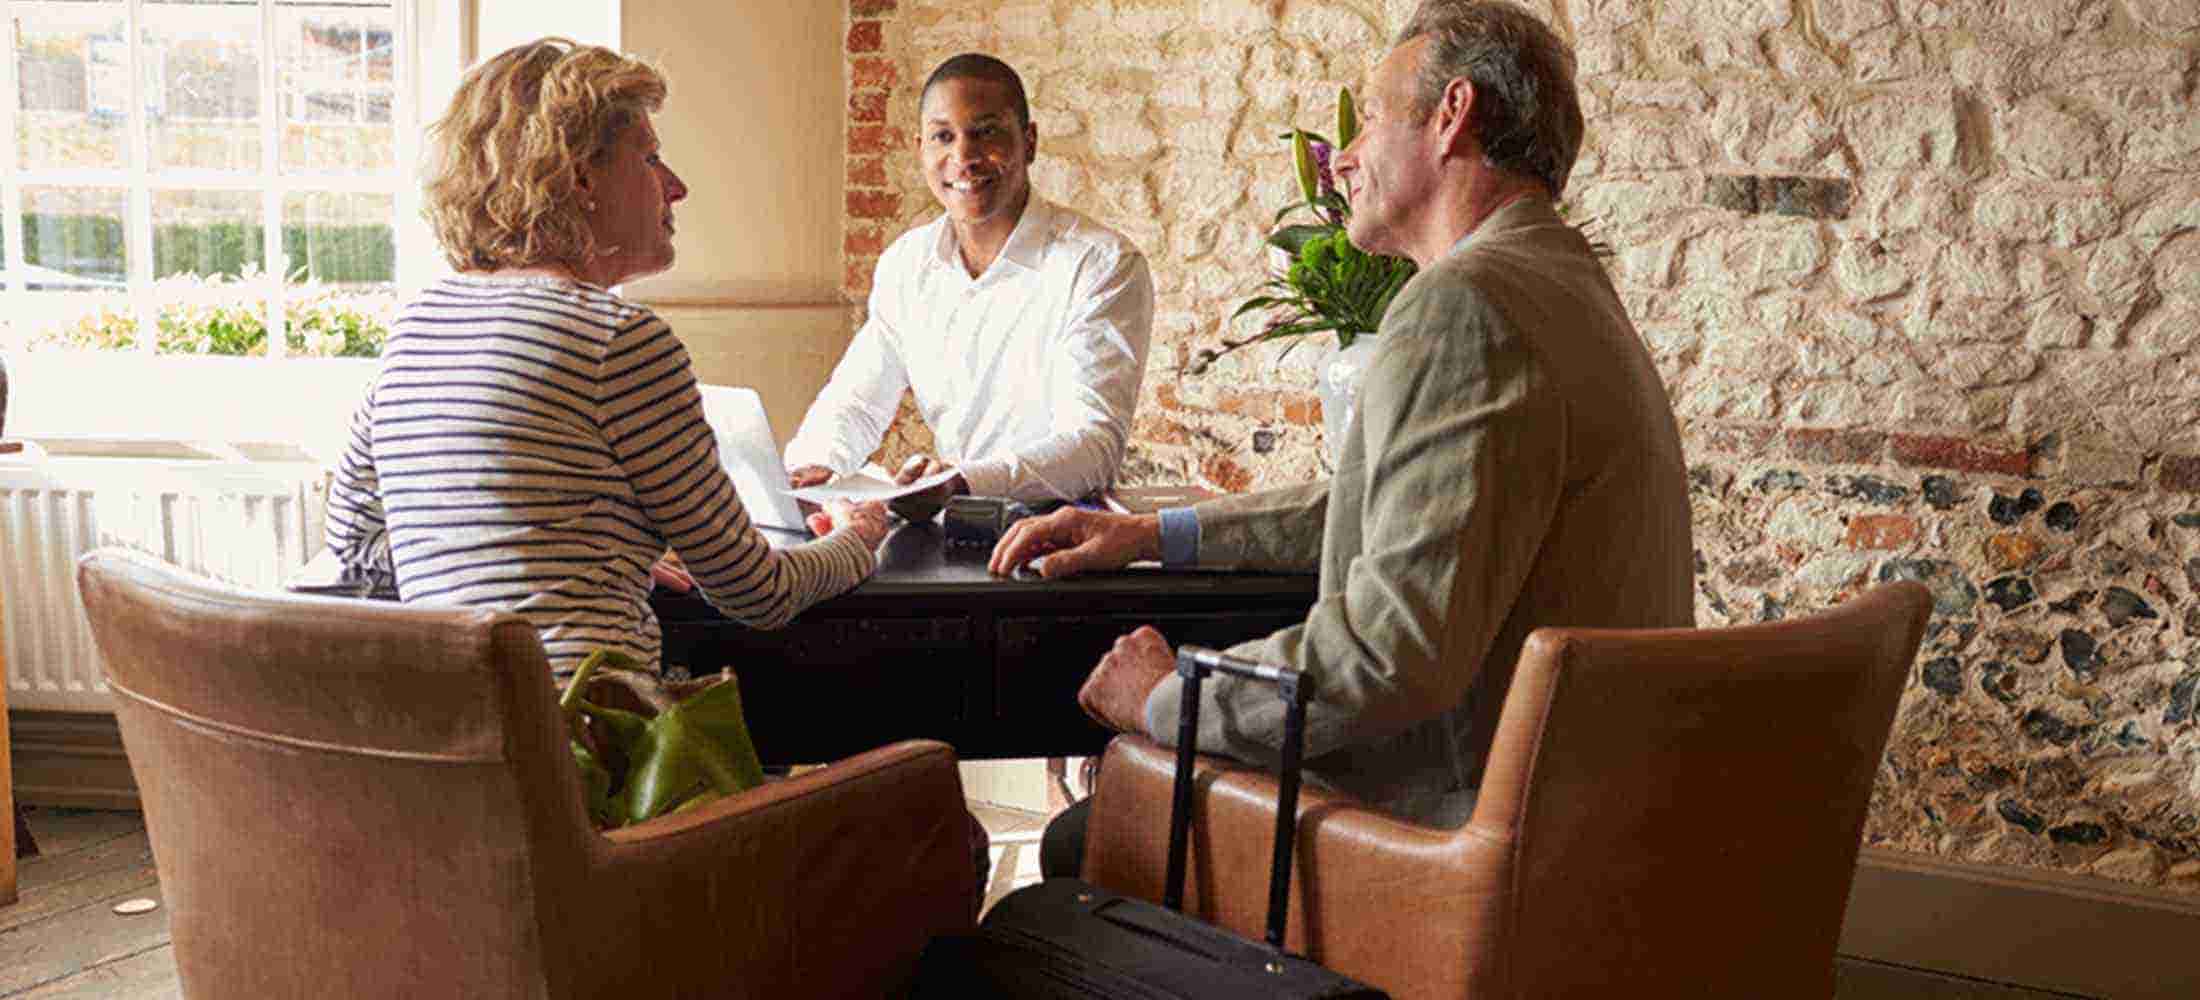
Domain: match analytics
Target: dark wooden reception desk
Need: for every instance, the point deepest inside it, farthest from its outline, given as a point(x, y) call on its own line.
point(934, 646)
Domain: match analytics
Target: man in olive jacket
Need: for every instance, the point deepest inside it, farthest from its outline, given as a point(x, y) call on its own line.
point(1514, 462)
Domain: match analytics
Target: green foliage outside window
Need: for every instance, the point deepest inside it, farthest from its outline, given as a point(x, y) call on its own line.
point(331, 253)
point(221, 316)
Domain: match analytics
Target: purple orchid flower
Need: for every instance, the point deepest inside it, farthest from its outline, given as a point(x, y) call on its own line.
point(1326, 181)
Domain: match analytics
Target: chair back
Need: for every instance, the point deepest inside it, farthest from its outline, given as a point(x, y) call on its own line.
point(1684, 807)
point(344, 798)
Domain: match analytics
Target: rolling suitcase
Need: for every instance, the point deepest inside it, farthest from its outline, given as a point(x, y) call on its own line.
point(1065, 938)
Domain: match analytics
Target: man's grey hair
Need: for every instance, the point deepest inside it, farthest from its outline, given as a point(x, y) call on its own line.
point(1527, 115)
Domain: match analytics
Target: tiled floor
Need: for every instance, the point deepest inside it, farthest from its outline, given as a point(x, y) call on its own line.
point(63, 938)
point(1015, 851)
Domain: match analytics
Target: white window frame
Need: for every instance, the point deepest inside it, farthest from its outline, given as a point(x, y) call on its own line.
point(72, 393)
point(141, 180)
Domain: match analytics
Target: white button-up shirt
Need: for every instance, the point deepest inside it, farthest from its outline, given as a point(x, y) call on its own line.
point(1027, 374)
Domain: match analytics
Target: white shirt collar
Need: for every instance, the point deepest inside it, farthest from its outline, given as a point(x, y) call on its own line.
point(1026, 246)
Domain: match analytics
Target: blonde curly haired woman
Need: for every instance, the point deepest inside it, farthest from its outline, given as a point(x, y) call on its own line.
point(534, 441)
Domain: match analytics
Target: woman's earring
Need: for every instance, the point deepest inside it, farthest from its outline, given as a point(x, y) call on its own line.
point(591, 207)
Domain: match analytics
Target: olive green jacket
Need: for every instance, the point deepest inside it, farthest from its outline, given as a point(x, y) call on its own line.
point(1513, 463)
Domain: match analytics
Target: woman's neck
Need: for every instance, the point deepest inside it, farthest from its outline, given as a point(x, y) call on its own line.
point(558, 271)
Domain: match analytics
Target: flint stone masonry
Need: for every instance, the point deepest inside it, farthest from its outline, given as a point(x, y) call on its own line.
point(1807, 197)
point(1922, 278)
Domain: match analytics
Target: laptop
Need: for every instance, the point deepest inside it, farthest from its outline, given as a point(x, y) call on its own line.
point(750, 455)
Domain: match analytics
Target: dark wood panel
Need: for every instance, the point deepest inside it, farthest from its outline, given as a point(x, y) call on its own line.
point(71, 760)
point(1042, 660)
point(828, 686)
point(933, 646)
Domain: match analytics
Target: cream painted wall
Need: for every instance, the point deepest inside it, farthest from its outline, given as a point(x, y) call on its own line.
point(785, 353)
point(501, 24)
point(753, 125)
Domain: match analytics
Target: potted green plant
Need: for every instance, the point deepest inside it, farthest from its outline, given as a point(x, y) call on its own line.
point(1323, 284)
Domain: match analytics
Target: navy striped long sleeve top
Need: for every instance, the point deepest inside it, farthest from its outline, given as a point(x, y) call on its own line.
point(535, 444)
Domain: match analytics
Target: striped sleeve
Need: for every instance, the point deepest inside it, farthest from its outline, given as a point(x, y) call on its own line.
point(356, 527)
point(651, 416)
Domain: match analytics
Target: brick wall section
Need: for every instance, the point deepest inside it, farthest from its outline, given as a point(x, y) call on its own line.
point(1922, 277)
point(880, 201)
point(874, 204)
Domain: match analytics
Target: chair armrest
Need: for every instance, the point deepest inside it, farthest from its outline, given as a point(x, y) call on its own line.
point(1362, 883)
point(826, 884)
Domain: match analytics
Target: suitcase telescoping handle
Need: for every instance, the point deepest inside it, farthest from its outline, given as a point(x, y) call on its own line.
point(1194, 663)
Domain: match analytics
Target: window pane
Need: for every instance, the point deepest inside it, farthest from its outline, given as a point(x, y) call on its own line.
point(73, 85)
point(73, 238)
point(337, 80)
point(208, 255)
point(342, 257)
point(202, 94)
point(217, 316)
point(76, 320)
point(207, 234)
point(340, 238)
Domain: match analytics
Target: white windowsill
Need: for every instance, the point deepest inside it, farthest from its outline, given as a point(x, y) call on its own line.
point(112, 404)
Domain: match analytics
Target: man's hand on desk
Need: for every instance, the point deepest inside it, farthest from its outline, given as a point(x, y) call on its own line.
point(921, 506)
point(1075, 540)
point(807, 475)
point(1115, 695)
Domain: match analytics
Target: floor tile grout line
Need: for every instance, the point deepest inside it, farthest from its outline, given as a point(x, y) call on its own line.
point(106, 900)
point(73, 879)
point(2044, 993)
point(46, 855)
point(102, 963)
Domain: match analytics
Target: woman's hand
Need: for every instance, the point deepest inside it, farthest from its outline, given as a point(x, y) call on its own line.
point(670, 575)
point(867, 520)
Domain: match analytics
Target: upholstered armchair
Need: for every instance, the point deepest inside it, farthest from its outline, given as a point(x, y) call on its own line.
point(1664, 813)
point(362, 799)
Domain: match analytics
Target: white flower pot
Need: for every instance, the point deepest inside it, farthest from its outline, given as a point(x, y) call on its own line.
point(1340, 391)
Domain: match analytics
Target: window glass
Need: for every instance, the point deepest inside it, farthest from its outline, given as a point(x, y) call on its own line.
point(76, 268)
point(342, 254)
point(72, 85)
point(209, 289)
point(202, 99)
point(337, 85)
point(202, 176)
point(73, 238)
point(207, 234)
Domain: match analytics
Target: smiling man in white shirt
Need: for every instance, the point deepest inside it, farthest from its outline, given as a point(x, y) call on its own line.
point(1021, 326)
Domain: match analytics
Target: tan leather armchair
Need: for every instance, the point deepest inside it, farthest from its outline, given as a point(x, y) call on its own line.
point(1665, 813)
point(358, 799)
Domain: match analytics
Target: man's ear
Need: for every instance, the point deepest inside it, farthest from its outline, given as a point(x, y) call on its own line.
point(1031, 142)
point(1454, 114)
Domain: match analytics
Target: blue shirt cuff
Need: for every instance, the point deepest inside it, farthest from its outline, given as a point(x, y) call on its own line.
point(1160, 730)
point(1179, 536)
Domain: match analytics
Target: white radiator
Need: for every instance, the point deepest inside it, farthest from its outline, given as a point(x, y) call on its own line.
point(252, 523)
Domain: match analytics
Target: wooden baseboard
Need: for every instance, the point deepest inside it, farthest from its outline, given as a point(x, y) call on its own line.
point(2045, 930)
point(70, 760)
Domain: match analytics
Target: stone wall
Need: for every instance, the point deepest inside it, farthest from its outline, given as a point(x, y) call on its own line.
point(1923, 278)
